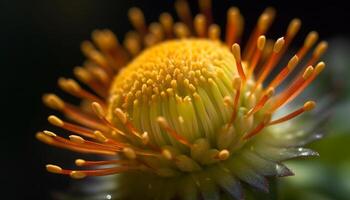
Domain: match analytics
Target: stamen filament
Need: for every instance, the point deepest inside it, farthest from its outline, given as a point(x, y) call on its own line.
point(307, 107)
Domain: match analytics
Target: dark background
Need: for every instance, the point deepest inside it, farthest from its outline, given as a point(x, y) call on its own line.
point(40, 42)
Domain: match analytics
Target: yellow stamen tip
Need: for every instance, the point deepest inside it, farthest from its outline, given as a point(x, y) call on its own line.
point(278, 45)
point(77, 175)
point(129, 153)
point(53, 169)
point(53, 101)
point(224, 154)
point(76, 139)
point(261, 42)
point(80, 162)
point(97, 108)
point(55, 121)
point(308, 72)
point(236, 51)
point(100, 137)
point(310, 105)
point(121, 115)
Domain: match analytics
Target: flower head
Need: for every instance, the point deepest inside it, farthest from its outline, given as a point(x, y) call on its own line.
point(178, 112)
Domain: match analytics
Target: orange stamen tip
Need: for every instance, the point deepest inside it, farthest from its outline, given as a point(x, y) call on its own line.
point(121, 115)
point(100, 137)
point(145, 138)
point(129, 153)
point(310, 105)
point(162, 122)
point(294, 26)
point(236, 83)
point(224, 154)
point(321, 48)
point(293, 62)
point(54, 169)
point(98, 110)
point(43, 138)
point(236, 51)
point(77, 174)
point(76, 139)
point(49, 133)
point(167, 154)
point(278, 45)
point(311, 38)
point(261, 42)
point(228, 101)
point(80, 162)
point(320, 67)
point(55, 121)
point(53, 101)
point(82, 74)
point(69, 85)
point(308, 72)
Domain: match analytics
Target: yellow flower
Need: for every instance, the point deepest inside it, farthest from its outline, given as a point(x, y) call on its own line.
point(178, 112)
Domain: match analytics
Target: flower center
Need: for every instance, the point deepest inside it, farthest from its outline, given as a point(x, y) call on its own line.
point(184, 81)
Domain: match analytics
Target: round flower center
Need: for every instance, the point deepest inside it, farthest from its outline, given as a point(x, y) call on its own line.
point(184, 81)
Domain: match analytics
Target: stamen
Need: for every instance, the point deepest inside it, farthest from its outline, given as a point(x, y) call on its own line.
point(137, 19)
point(79, 174)
point(56, 103)
point(54, 140)
point(224, 154)
point(145, 138)
point(184, 12)
point(205, 8)
point(237, 84)
point(287, 95)
point(269, 93)
point(85, 163)
point(181, 30)
point(105, 40)
point(100, 75)
point(129, 153)
point(132, 43)
point(258, 128)
point(318, 69)
point(234, 26)
point(292, 30)
point(260, 45)
point(167, 22)
point(271, 63)
point(53, 102)
point(100, 113)
point(72, 87)
point(293, 62)
point(200, 25)
point(54, 169)
point(310, 40)
point(236, 51)
point(309, 105)
point(164, 124)
point(124, 119)
point(76, 139)
point(264, 22)
point(157, 30)
point(87, 78)
point(318, 53)
point(214, 32)
point(97, 57)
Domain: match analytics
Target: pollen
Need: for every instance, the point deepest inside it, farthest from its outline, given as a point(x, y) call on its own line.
point(176, 103)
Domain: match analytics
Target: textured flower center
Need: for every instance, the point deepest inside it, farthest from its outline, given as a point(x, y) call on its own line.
point(185, 81)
